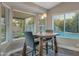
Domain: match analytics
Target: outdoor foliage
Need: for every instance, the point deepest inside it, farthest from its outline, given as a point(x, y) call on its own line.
point(71, 24)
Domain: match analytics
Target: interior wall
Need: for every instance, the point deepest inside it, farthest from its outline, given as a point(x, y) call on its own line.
point(65, 7)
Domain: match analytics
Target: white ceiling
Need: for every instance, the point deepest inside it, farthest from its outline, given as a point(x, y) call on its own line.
point(26, 7)
point(32, 7)
point(47, 5)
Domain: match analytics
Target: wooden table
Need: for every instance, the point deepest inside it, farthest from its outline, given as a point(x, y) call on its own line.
point(46, 36)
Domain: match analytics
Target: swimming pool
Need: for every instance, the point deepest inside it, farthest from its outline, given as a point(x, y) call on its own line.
point(68, 35)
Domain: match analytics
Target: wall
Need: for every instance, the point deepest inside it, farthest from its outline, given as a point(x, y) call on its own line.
point(67, 43)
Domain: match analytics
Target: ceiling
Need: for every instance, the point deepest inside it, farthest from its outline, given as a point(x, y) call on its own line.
point(16, 14)
point(37, 7)
point(32, 8)
point(47, 5)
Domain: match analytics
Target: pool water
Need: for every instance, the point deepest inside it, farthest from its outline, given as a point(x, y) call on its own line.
point(69, 35)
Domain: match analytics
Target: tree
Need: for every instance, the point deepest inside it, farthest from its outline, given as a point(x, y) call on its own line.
point(60, 24)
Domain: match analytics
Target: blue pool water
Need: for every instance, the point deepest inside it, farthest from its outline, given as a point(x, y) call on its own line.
point(69, 35)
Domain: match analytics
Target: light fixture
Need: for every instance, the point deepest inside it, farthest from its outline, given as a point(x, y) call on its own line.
point(44, 16)
point(14, 20)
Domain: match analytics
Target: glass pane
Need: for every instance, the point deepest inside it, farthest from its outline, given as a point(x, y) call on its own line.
point(3, 30)
point(71, 22)
point(58, 23)
point(42, 25)
point(30, 24)
point(17, 27)
point(78, 22)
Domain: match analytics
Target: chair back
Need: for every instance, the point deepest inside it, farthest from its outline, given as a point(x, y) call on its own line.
point(29, 39)
point(49, 31)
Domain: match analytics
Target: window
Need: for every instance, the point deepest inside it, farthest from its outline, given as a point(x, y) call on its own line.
point(17, 27)
point(71, 24)
point(68, 22)
point(3, 26)
point(58, 23)
point(29, 24)
point(42, 22)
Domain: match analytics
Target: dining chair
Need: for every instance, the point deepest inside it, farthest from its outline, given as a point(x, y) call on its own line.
point(31, 43)
point(48, 31)
point(53, 41)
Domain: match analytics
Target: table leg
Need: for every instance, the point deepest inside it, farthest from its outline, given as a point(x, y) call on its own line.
point(46, 48)
point(41, 47)
point(24, 50)
point(55, 43)
point(52, 43)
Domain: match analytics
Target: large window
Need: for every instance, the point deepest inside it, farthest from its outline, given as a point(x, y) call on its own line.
point(17, 27)
point(71, 22)
point(3, 27)
point(68, 22)
point(42, 22)
point(58, 23)
point(29, 24)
